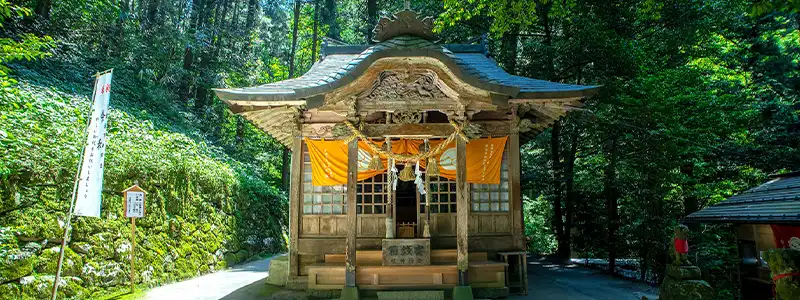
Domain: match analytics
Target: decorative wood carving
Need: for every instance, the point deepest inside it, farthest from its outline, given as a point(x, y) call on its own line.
point(412, 86)
point(416, 84)
point(407, 117)
point(404, 22)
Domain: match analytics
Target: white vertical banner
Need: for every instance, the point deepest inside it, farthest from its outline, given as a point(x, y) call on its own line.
point(90, 185)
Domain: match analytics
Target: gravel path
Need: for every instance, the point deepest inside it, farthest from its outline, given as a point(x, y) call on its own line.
point(238, 283)
point(552, 281)
point(546, 281)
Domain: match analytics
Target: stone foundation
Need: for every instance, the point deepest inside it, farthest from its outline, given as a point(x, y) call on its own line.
point(785, 262)
point(684, 283)
point(278, 270)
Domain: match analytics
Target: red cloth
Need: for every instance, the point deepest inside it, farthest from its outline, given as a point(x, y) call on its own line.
point(681, 246)
point(786, 236)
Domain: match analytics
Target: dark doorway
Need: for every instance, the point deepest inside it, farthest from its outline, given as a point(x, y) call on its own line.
point(406, 209)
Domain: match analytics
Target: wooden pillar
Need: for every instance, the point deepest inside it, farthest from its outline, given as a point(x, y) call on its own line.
point(350, 247)
point(390, 192)
point(426, 230)
point(462, 211)
point(514, 192)
point(295, 187)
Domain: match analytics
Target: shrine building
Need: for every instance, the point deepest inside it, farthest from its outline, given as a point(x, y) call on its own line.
point(405, 168)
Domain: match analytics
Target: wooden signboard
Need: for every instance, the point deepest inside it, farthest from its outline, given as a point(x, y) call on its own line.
point(134, 202)
point(406, 252)
point(134, 208)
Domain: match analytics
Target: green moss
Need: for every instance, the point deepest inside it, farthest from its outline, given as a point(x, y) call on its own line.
point(40, 287)
point(785, 261)
point(15, 264)
point(10, 291)
point(200, 208)
point(674, 289)
point(278, 270)
point(47, 262)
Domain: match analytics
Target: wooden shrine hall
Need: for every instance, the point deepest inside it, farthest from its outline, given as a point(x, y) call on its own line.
point(405, 168)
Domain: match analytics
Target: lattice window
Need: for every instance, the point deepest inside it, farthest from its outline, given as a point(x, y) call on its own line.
point(443, 196)
point(371, 195)
point(492, 197)
point(321, 200)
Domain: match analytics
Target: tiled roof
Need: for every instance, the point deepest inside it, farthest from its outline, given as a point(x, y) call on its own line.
point(777, 201)
point(344, 65)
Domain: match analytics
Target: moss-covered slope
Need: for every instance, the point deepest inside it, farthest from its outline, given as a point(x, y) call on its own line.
point(205, 209)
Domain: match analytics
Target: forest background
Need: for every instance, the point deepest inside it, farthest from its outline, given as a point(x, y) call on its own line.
point(699, 101)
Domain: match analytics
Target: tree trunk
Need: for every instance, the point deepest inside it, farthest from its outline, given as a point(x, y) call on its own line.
point(152, 13)
point(612, 198)
point(558, 213)
point(239, 131)
point(315, 37)
point(509, 49)
point(285, 168)
point(188, 53)
point(569, 186)
point(252, 12)
point(329, 18)
point(690, 202)
point(543, 12)
point(294, 37)
point(43, 8)
point(372, 18)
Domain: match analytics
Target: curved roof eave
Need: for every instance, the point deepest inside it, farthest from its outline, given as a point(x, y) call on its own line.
point(361, 63)
point(336, 71)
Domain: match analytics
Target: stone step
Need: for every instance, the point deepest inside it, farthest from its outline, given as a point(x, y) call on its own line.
point(416, 295)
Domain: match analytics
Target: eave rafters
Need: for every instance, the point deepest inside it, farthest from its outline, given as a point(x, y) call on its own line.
point(282, 123)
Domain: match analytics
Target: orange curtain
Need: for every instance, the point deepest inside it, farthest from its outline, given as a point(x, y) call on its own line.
point(406, 146)
point(329, 162)
point(329, 159)
point(484, 160)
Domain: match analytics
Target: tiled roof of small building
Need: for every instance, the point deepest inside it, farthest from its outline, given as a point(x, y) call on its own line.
point(776, 201)
point(344, 64)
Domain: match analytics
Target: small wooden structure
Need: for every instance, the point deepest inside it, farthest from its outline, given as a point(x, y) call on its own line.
point(765, 217)
point(406, 89)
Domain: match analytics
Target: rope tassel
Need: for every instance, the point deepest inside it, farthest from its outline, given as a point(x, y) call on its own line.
point(407, 174)
point(375, 163)
point(433, 167)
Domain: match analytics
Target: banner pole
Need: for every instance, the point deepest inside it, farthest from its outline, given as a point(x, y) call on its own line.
point(68, 223)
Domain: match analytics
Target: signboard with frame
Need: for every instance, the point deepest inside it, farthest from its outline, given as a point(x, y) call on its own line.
point(134, 204)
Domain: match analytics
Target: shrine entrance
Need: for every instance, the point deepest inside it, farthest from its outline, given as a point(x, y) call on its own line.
point(406, 216)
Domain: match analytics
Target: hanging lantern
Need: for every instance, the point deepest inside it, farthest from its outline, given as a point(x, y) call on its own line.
point(407, 174)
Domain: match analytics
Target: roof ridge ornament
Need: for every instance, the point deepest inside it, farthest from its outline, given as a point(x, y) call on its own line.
point(404, 22)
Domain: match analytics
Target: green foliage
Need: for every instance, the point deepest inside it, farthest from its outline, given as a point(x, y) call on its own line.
point(698, 102)
point(537, 225)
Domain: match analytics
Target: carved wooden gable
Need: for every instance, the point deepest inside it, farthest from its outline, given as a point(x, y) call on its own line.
point(408, 84)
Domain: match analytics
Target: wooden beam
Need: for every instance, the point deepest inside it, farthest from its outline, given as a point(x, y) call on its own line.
point(295, 187)
point(325, 130)
point(514, 192)
point(350, 247)
point(462, 211)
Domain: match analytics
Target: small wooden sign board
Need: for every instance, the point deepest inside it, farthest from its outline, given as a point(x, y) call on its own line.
point(134, 208)
point(406, 252)
point(134, 204)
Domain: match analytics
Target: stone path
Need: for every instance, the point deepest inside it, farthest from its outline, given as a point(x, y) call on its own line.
point(553, 281)
point(238, 283)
